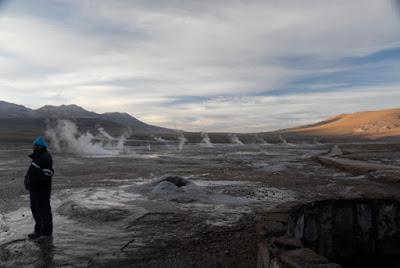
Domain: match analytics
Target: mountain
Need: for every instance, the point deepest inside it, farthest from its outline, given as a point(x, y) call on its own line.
point(135, 124)
point(10, 110)
point(368, 124)
point(20, 123)
point(62, 111)
point(13, 116)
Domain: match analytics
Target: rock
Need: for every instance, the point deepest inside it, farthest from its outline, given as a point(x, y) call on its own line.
point(263, 258)
point(326, 265)
point(165, 187)
point(386, 221)
point(345, 228)
point(176, 180)
point(304, 257)
point(299, 227)
point(343, 238)
point(72, 209)
point(311, 229)
point(288, 243)
point(325, 240)
point(364, 217)
point(335, 151)
point(170, 184)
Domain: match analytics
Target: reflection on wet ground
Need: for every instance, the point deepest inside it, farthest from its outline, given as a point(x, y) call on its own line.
point(107, 206)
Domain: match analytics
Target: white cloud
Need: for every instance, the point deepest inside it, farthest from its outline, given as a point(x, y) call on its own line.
point(37, 42)
point(261, 113)
point(141, 56)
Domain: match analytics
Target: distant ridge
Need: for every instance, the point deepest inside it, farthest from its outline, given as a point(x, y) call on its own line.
point(18, 123)
point(367, 124)
point(13, 113)
point(63, 111)
point(10, 110)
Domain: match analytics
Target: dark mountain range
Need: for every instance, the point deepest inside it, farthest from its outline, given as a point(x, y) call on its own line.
point(10, 110)
point(14, 117)
point(63, 111)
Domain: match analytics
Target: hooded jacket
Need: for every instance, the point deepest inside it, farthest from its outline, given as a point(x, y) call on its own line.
point(39, 174)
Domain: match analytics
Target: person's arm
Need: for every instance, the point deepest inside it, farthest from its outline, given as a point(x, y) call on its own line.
point(26, 179)
point(42, 168)
point(41, 171)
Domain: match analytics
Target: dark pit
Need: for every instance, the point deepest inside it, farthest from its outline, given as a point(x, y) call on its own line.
point(352, 233)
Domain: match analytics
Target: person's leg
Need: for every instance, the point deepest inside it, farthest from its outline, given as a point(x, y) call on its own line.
point(46, 217)
point(35, 210)
point(34, 200)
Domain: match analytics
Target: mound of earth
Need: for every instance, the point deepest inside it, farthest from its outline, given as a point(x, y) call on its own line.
point(369, 124)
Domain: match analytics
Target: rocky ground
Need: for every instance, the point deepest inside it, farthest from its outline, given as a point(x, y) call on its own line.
point(112, 211)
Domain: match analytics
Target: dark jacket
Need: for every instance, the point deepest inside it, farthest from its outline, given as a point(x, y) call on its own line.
point(40, 172)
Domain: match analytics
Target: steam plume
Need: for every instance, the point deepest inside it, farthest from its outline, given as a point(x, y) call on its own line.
point(284, 141)
point(235, 139)
point(160, 139)
point(65, 137)
point(182, 141)
point(206, 140)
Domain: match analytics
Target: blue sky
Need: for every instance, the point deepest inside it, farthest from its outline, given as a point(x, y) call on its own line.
point(203, 65)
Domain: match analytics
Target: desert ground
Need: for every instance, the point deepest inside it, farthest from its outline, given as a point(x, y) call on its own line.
point(116, 210)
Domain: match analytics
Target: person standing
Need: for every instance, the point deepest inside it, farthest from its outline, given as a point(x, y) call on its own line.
point(38, 181)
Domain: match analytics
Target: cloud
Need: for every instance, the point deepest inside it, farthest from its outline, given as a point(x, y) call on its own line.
point(163, 60)
point(261, 113)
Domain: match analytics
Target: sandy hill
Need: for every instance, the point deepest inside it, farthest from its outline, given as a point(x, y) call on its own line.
point(369, 124)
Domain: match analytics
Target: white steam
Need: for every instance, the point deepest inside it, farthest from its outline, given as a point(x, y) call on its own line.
point(182, 140)
point(65, 137)
point(160, 139)
point(316, 142)
point(235, 139)
point(206, 140)
point(105, 134)
point(284, 141)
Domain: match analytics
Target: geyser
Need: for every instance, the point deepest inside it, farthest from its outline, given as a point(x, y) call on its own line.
point(235, 140)
point(182, 140)
point(65, 137)
point(161, 140)
point(284, 141)
point(206, 140)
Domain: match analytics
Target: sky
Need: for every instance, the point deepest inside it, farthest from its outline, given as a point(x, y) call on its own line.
point(210, 65)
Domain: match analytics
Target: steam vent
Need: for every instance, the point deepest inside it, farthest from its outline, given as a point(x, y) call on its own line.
point(332, 233)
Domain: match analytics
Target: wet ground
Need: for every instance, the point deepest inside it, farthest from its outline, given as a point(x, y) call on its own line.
point(113, 210)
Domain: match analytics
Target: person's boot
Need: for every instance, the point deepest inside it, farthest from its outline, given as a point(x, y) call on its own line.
point(33, 235)
point(44, 239)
